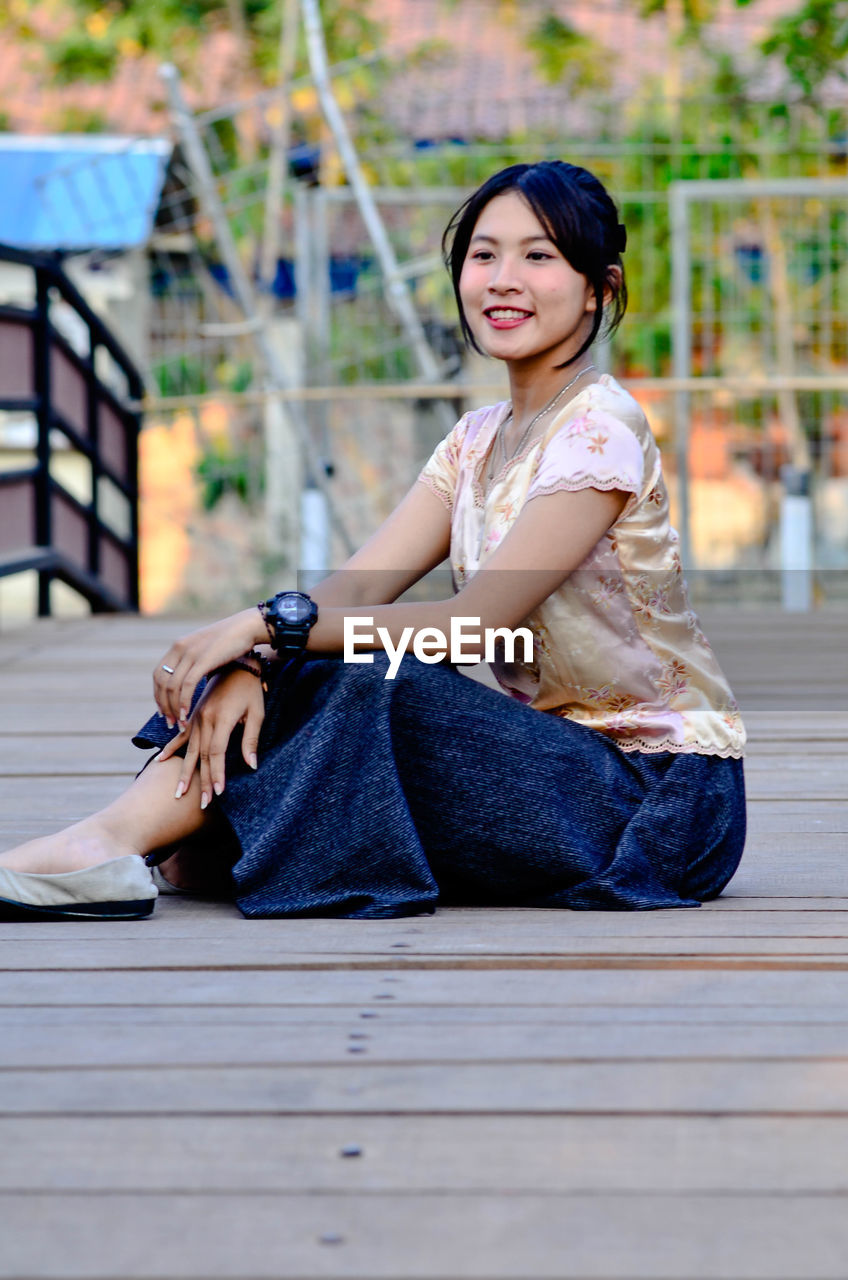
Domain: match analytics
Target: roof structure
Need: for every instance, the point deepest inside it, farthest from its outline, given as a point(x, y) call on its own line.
point(80, 193)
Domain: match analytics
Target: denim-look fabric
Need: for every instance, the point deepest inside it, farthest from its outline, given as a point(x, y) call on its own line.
point(377, 798)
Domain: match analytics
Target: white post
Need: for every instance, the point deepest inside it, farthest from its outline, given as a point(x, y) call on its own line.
point(315, 538)
point(796, 541)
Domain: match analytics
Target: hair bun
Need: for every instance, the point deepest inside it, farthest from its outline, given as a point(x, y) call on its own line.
point(621, 240)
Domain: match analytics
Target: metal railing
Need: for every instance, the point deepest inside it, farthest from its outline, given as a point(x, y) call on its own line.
point(69, 397)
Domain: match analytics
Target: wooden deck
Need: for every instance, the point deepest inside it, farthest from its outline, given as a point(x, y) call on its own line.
point(484, 1094)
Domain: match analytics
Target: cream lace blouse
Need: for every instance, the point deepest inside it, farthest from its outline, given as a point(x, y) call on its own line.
point(617, 646)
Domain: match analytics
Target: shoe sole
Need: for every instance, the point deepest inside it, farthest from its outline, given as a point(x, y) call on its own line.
point(136, 910)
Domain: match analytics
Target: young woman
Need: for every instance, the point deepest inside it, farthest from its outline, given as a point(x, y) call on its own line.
point(610, 778)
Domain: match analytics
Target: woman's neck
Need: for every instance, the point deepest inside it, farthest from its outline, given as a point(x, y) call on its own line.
point(532, 388)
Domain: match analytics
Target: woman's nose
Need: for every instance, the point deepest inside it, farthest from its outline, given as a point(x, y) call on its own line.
point(504, 278)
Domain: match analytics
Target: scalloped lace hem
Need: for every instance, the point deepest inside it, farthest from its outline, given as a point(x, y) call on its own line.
point(584, 481)
point(676, 748)
point(440, 491)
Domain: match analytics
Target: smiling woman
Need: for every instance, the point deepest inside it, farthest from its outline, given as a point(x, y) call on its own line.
point(609, 778)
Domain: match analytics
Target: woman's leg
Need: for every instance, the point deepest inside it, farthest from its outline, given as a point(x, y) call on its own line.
point(144, 818)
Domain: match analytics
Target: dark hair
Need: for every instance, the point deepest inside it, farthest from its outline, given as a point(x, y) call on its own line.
point(577, 214)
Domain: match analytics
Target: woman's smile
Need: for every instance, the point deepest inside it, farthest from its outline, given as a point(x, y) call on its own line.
point(506, 317)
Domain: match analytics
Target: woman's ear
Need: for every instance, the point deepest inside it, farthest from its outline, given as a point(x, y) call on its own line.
point(615, 277)
point(611, 287)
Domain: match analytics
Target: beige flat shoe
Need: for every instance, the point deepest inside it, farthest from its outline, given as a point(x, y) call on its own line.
point(121, 889)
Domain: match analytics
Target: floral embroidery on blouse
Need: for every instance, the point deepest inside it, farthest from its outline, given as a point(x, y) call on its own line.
point(673, 680)
point(617, 647)
point(606, 591)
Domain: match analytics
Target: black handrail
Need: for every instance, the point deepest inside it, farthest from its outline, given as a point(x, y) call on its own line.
point(42, 525)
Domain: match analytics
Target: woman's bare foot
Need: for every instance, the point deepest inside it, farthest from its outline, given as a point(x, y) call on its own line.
point(85, 844)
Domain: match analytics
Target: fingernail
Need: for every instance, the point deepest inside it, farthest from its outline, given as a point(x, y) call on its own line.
point(179, 791)
point(183, 713)
point(218, 788)
point(254, 763)
point(204, 800)
point(169, 722)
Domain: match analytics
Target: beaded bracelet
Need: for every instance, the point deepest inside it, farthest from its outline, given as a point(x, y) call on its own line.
point(264, 616)
point(244, 663)
point(264, 673)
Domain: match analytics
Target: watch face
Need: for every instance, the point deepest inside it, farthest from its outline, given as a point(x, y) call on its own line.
point(293, 608)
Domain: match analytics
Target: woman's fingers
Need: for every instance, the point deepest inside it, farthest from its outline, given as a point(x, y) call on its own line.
point(193, 656)
point(189, 762)
point(227, 701)
point(250, 737)
point(179, 740)
point(213, 748)
point(168, 681)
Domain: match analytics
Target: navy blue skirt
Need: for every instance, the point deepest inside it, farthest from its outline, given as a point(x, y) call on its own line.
point(378, 798)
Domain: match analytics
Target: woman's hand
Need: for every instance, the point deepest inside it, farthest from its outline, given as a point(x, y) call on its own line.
point(195, 655)
point(229, 699)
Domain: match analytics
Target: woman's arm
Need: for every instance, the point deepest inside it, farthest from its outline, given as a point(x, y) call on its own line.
point(550, 538)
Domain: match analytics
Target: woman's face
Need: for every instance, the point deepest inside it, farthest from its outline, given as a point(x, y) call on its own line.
point(521, 298)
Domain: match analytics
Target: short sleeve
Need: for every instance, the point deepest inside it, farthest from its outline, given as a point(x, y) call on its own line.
point(593, 451)
point(441, 473)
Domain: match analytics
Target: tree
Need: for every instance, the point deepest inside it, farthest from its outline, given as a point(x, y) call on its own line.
point(811, 43)
point(98, 34)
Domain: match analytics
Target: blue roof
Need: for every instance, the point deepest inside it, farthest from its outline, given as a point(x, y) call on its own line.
point(78, 192)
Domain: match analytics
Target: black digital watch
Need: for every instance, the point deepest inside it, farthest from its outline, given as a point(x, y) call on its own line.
point(289, 617)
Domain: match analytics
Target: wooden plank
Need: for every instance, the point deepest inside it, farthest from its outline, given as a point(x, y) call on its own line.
point(70, 718)
point(518, 1237)
point(631, 1087)
point(771, 882)
point(370, 989)
point(460, 1154)
point(61, 800)
point(171, 1045)
point(583, 953)
point(453, 930)
point(104, 755)
point(357, 1019)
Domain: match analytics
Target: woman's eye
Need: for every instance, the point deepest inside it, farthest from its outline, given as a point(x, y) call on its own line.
point(538, 255)
point(481, 255)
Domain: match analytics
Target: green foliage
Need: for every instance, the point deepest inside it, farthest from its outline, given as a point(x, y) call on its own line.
point(181, 376)
point(565, 54)
point(812, 43)
point(79, 56)
point(693, 12)
point(224, 468)
point(73, 119)
point(173, 30)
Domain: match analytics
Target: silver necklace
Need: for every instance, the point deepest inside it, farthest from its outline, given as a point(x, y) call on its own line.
point(541, 414)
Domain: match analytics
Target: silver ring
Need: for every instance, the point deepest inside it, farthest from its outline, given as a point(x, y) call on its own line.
point(170, 670)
